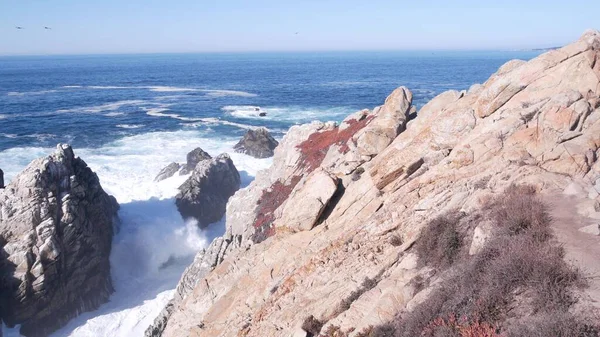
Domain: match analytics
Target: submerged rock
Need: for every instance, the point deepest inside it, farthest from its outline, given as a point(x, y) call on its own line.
point(193, 158)
point(257, 143)
point(206, 192)
point(167, 172)
point(56, 228)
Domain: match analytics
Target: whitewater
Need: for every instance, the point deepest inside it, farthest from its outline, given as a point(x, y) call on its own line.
point(153, 245)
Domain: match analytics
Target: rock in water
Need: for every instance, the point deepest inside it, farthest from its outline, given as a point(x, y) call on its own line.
point(1, 179)
point(56, 228)
point(193, 158)
point(167, 172)
point(257, 143)
point(205, 194)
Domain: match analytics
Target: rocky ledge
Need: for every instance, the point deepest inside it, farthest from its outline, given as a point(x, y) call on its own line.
point(326, 241)
point(56, 228)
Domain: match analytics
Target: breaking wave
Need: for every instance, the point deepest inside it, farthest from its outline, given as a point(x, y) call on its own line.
point(154, 245)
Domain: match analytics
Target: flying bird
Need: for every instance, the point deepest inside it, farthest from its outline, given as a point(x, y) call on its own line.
point(19, 27)
point(297, 33)
point(47, 27)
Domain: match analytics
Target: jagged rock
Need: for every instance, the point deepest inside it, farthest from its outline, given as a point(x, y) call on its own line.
point(391, 120)
point(206, 192)
point(1, 178)
point(459, 150)
point(167, 172)
point(257, 143)
point(56, 228)
point(193, 158)
point(308, 201)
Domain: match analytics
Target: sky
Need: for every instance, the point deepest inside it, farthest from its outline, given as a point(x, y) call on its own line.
point(168, 26)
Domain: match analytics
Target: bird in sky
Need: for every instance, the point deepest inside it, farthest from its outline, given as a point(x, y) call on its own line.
point(47, 27)
point(19, 27)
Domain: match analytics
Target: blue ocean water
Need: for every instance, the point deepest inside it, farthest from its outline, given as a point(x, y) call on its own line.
point(91, 100)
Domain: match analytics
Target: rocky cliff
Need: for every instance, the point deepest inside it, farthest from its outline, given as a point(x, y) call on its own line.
point(56, 228)
point(326, 237)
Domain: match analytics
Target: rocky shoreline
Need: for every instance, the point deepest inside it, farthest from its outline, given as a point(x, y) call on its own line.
point(335, 238)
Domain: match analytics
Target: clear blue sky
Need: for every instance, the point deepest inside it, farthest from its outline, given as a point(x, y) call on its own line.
point(136, 26)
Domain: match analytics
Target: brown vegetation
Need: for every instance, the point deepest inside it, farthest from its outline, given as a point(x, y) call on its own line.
point(440, 241)
point(518, 285)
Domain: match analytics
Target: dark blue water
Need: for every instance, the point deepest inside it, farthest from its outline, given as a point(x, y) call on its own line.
point(91, 100)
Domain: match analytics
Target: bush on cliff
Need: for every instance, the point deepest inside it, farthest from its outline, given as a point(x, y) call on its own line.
point(518, 285)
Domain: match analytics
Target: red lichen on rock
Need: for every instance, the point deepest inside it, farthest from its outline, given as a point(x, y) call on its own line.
point(312, 153)
point(269, 201)
point(314, 149)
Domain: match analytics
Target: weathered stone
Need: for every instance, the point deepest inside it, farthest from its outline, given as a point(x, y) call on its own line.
point(167, 172)
point(459, 150)
point(308, 201)
point(193, 158)
point(257, 143)
point(206, 192)
point(56, 250)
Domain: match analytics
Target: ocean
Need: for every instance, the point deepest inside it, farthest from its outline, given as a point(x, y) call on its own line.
point(128, 116)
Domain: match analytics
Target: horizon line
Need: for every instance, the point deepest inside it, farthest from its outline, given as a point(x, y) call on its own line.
point(284, 52)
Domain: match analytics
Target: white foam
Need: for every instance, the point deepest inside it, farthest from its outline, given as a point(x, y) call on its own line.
point(104, 107)
point(129, 126)
point(159, 112)
point(223, 93)
point(152, 232)
point(71, 86)
point(3, 116)
point(287, 113)
point(169, 89)
point(8, 135)
point(114, 114)
point(40, 92)
point(107, 87)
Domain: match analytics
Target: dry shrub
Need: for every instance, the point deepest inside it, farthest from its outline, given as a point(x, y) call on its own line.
point(518, 267)
point(366, 285)
point(396, 240)
point(453, 327)
point(312, 325)
point(440, 242)
point(557, 324)
point(519, 210)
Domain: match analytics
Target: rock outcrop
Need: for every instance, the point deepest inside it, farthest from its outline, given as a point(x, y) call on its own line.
point(328, 231)
point(206, 192)
point(56, 228)
point(257, 143)
point(193, 158)
point(1, 178)
point(167, 172)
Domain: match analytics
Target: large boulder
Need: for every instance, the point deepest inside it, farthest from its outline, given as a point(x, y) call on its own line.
point(257, 143)
point(56, 228)
point(206, 192)
point(193, 158)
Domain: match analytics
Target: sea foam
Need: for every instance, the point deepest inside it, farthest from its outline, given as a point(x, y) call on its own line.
point(154, 245)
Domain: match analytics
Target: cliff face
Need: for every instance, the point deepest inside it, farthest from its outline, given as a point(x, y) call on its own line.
point(328, 230)
point(56, 228)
